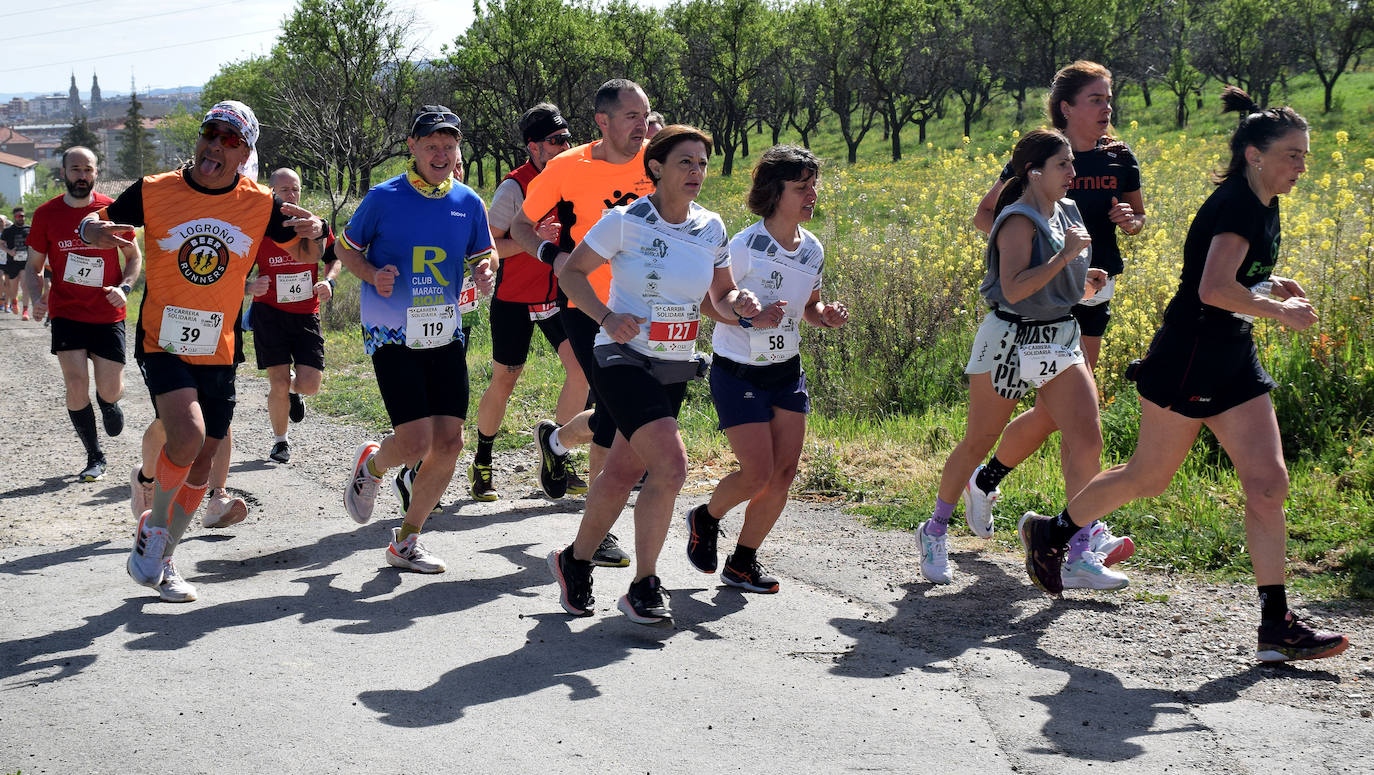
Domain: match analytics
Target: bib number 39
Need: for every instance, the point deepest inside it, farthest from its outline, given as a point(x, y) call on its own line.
point(190, 331)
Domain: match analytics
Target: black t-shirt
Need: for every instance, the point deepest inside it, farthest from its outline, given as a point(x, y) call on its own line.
point(1232, 207)
point(16, 238)
point(1109, 170)
point(128, 208)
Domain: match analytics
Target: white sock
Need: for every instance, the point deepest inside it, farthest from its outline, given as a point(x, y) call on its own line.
point(283, 436)
point(556, 445)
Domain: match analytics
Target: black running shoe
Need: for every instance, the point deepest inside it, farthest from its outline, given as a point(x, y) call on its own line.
point(481, 487)
point(281, 452)
point(609, 554)
point(574, 579)
point(702, 532)
point(647, 603)
point(401, 485)
point(553, 473)
point(576, 485)
point(752, 578)
point(297, 411)
point(1044, 560)
point(112, 417)
point(1291, 639)
point(95, 470)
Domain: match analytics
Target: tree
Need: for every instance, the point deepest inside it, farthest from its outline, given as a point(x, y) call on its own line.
point(80, 134)
point(975, 52)
point(136, 156)
point(252, 82)
point(178, 132)
point(905, 66)
point(1246, 43)
point(841, 52)
point(1330, 35)
point(806, 71)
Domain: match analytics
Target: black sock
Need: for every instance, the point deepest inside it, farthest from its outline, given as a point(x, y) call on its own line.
point(111, 415)
point(1273, 602)
point(145, 479)
point(484, 443)
point(1062, 529)
point(84, 422)
point(742, 556)
point(994, 471)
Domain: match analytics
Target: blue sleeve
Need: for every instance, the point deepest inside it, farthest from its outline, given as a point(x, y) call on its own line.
point(362, 227)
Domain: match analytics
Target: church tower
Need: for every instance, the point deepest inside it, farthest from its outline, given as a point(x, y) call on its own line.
point(74, 99)
point(95, 96)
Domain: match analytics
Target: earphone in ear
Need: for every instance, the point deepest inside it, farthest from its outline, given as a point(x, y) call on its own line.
point(1035, 173)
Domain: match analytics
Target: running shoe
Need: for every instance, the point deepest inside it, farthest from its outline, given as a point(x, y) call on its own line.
point(647, 603)
point(410, 554)
point(281, 452)
point(14, 307)
point(174, 588)
point(934, 556)
point(574, 579)
point(978, 506)
point(361, 493)
point(95, 470)
point(1089, 572)
point(576, 485)
point(609, 554)
point(702, 532)
point(25, 316)
point(297, 411)
point(140, 492)
point(752, 578)
point(553, 472)
point(1292, 639)
point(481, 487)
point(1114, 549)
point(402, 485)
point(222, 510)
point(1044, 561)
point(112, 417)
point(145, 558)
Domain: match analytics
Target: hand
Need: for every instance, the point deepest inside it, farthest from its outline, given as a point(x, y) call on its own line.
point(1296, 313)
point(1122, 214)
point(1075, 240)
point(303, 221)
point(746, 304)
point(40, 307)
point(484, 278)
point(260, 285)
point(1096, 281)
point(385, 280)
point(1285, 288)
point(108, 234)
point(771, 316)
point(549, 229)
point(113, 294)
point(323, 292)
point(622, 326)
point(834, 314)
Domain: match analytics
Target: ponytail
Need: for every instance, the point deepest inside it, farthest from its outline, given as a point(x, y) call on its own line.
point(1258, 126)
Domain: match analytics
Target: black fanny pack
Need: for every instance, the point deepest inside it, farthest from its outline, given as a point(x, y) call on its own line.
point(773, 376)
point(665, 371)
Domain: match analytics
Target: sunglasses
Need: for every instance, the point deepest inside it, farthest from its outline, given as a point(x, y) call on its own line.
point(434, 117)
point(227, 138)
point(559, 139)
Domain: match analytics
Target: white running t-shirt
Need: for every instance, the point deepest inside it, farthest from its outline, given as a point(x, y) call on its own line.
point(761, 265)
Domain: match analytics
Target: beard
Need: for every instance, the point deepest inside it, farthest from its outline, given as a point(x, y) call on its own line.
point(79, 189)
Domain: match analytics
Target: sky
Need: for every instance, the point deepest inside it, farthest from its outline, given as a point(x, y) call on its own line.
point(162, 44)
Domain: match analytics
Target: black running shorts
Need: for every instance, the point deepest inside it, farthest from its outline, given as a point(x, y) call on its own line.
point(512, 329)
point(283, 338)
point(214, 386)
point(1201, 374)
point(106, 340)
point(416, 384)
point(581, 331)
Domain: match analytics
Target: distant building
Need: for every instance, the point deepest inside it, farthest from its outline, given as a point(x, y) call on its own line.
point(96, 102)
point(16, 177)
point(74, 100)
point(15, 144)
point(14, 110)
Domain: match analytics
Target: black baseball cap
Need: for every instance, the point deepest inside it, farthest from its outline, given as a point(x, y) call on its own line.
point(431, 118)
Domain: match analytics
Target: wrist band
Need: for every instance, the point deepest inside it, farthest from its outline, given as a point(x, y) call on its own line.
point(603, 318)
point(547, 252)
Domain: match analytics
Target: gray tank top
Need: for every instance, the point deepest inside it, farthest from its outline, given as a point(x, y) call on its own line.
point(1065, 289)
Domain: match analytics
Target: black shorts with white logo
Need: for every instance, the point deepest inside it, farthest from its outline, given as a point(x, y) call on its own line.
point(106, 340)
point(1201, 373)
point(416, 384)
point(512, 330)
point(214, 386)
point(283, 338)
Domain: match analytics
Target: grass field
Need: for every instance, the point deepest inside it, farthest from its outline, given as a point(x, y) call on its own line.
point(889, 390)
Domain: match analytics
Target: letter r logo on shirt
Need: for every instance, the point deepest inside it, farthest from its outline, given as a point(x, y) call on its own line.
point(425, 260)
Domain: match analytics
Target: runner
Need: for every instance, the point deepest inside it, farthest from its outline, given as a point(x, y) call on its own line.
point(1038, 260)
point(285, 316)
point(757, 384)
point(1107, 192)
point(4, 259)
point(667, 254)
point(526, 296)
point(411, 241)
point(221, 509)
point(654, 126)
point(202, 227)
point(1203, 369)
point(87, 302)
point(14, 241)
point(579, 186)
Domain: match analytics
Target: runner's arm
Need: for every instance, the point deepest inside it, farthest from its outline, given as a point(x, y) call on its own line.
point(983, 216)
point(33, 284)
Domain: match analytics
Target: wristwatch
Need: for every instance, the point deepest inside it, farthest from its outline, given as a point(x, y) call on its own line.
point(331, 283)
point(745, 322)
point(126, 289)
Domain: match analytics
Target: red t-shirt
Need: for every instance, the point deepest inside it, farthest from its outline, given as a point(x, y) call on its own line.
point(293, 283)
point(80, 273)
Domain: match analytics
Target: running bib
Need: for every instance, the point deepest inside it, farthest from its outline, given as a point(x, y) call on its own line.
point(294, 287)
point(543, 311)
point(1264, 288)
point(775, 345)
point(430, 326)
point(85, 270)
point(190, 331)
point(1102, 296)
point(673, 328)
point(467, 296)
point(1043, 361)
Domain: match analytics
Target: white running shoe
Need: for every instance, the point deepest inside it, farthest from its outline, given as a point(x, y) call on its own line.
point(361, 493)
point(223, 511)
point(1113, 549)
point(140, 493)
point(934, 556)
point(410, 554)
point(174, 589)
point(978, 506)
point(1088, 572)
point(145, 564)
